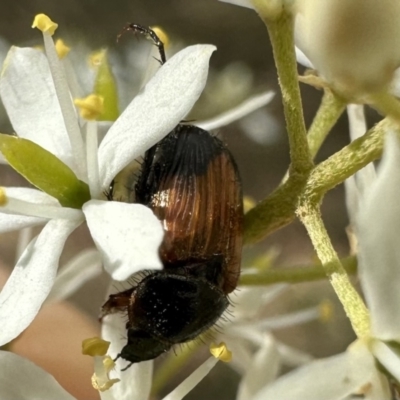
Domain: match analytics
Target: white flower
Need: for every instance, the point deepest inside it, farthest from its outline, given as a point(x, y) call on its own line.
point(37, 98)
point(23, 380)
point(353, 44)
point(355, 372)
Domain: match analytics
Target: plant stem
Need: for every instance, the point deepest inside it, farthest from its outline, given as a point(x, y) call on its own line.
point(280, 29)
point(278, 209)
point(329, 111)
point(346, 162)
point(297, 274)
point(353, 305)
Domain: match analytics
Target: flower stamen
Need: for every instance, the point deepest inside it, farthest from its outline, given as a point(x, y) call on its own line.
point(44, 24)
point(91, 107)
point(62, 49)
point(221, 352)
point(95, 346)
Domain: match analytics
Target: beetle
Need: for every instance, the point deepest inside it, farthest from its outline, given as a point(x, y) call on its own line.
point(191, 182)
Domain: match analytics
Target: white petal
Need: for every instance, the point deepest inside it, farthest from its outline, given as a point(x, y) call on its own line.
point(302, 59)
point(242, 3)
point(23, 380)
point(192, 380)
point(11, 222)
point(379, 257)
point(127, 236)
point(242, 352)
point(388, 357)
point(332, 378)
point(246, 108)
point(32, 279)
point(263, 370)
point(155, 111)
point(136, 380)
point(293, 357)
point(83, 267)
point(363, 179)
point(247, 302)
point(27, 90)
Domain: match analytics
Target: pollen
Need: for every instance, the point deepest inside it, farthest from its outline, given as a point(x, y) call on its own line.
point(162, 35)
point(102, 387)
point(95, 346)
point(3, 197)
point(91, 107)
point(221, 352)
point(248, 203)
point(96, 58)
point(325, 309)
point(62, 49)
point(44, 24)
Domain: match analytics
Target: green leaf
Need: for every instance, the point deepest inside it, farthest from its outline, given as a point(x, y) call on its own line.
point(44, 170)
point(106, 87)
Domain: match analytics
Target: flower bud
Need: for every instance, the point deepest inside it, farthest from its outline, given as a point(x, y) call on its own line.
point(353, 43)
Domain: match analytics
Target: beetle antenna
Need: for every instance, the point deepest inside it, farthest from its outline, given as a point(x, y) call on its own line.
point(148, 33)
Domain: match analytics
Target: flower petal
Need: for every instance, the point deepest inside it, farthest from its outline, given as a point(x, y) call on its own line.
point(127, 236)
point(263, 370)
point(247, 107)
point(83, 267)
point(136, 380)
point(155, 111)
point(21, 379)
point(388, 357)
point(27, 89)
point(11, 222)
point(302, 59)
point(32, 279)
point(192, 380)
point(332, 378)
point(379, 221)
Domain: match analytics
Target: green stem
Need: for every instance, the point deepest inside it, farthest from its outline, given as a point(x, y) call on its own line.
point(280, 28)
point(274, 212)
point(346, 162)
point(295, 274)
point(278, 209)
point(353, 305)
point(329, 111)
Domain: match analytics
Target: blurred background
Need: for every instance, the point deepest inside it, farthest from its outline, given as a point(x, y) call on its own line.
point(243, 66)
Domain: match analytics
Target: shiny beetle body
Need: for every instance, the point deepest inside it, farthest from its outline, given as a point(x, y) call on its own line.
point(190, 181)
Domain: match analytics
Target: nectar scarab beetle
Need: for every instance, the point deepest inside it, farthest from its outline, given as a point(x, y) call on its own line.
point(191, 182)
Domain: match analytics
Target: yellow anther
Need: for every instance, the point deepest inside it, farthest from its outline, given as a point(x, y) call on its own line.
point(62, 49)
point(108, 363)
point(326, 310)
point(248, 203)
point(102, 387)
point(221, 352)
point(44, 24)
point(91, 107)
point(96, 58)
point(95, 347)
point(3, 197)
point(162, 35)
